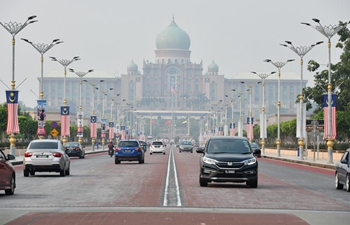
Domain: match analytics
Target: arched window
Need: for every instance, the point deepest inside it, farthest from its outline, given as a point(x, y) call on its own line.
point(162, 61)
point(176, 61)
point(182, 61)
point(169, 61)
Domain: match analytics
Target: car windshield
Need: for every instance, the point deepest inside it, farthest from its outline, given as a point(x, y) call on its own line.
point(43, 145)
point(157, 143)
point(71, 144)
point(128, 144)
point(254, 145)
point(186, 143)
point(229, 146)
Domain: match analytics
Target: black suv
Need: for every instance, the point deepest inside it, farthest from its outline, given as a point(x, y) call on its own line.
point(228, 159)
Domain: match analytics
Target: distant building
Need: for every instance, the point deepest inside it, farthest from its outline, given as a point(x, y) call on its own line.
point(173, 83)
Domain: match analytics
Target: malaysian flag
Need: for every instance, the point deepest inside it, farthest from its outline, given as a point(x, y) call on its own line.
point(172, 89)
point(249, 128)
point(111, 130)
point(333, 115)
point(41, 117)
point(232, 129)
point(122, 129)
point(93, 126)
point(103, 128)
point(12, 107)
point(65, 131)
point(80, 123)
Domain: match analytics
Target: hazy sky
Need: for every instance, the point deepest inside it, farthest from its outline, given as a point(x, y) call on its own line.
point(107, 34)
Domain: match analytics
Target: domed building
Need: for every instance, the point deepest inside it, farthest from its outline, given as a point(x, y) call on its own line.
point(172, 81)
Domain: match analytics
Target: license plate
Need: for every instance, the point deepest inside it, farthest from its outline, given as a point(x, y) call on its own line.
point(128, 151)
point(41, 156)
point(230, 171)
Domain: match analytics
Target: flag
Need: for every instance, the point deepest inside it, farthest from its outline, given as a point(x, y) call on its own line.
point(65, 131)
point(172, 89)
point(111, 130)
point(168, 122)
point(184, 122)
point(232, 129)
point(333, 116)
point(80, 124)
point(93, 126)
point(12, 109)
point(122, 128)
point(249, 128)
point(103, 128)
point(41, 117)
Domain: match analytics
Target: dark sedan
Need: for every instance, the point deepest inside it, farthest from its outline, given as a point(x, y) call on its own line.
point(7, 174)
point(186, 146)
point(74, 149)
point(256, 149)
point(342, 172)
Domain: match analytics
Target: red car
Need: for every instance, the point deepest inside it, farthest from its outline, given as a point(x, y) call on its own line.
point(7, 174)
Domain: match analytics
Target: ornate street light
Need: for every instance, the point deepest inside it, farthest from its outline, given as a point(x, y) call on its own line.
point(329, 31)
point(240, 121)
point(93, 117)
point(301, 52)
point(12, 95)
point(65, 118)
point(263, 119)
point(103, 120)
point(80, 131)
point(279, 65)
point(42, 49)
point(250, 90)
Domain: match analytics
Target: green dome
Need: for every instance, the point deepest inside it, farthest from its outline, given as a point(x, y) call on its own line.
point(132, 66)
point(173, 37)
point(213, 67)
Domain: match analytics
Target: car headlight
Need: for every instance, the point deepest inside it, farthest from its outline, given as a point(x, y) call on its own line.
point(250, 161)
point(209, 160)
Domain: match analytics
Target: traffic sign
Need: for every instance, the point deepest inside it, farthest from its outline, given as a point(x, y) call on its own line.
point(54, 132)
point(54, 124)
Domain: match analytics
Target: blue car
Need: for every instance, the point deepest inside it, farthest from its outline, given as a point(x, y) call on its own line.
point(129, 150)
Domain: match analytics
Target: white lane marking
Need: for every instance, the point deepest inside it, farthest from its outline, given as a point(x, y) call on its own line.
point(166, 190)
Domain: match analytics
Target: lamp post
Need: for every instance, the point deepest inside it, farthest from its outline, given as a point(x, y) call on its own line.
point(279, 65)
point(329, 31)
point(65, 120)
point(80, 132)
point(93, 117)
point(263, 134)
point(240, 122)
point(12, 95)
point(250, 90)
point(301, 52)
point(103, 120)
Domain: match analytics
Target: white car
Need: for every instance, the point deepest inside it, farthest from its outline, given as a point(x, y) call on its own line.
point(46, 156)
point(157, 147)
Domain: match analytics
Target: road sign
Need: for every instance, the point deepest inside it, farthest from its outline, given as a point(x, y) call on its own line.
point(54, 124)
point(54, 132)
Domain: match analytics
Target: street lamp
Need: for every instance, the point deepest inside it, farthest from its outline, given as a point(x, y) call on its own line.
point(111, 122)
point(93, 117)
point(301, 52)
point(12, 95)
point(103, 120)
point(240, 122)
point(279, 65)
point(80, 130)
point(65, 120)
point(329, 31)
point(42, 49)
point(263, 119)
point(250, 90)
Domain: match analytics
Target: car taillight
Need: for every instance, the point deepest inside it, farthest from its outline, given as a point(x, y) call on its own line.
point(138, 149)
point(77, 148)
point(56, 154)
point(28, 154)
point(118, 149)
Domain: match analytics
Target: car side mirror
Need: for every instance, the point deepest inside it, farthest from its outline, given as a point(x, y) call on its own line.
point(177, 146)
point(199, 150)
point(10, 157)
point(344, 161)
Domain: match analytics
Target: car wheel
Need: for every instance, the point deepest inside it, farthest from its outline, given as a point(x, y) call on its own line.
point(202, 182)
point(150, 153)
point(347, 184)
point(116, 161)
point(337, 184)
point(179, 151)
point(13, 184)
point(26, 173)
point(163, 153)
point(191, 151)
point(253, 183)
point(63, 172)
point(32, 173)
point(81, 156)
point(67, 172)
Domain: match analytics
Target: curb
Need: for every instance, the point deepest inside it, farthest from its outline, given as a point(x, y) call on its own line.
point(315, 164)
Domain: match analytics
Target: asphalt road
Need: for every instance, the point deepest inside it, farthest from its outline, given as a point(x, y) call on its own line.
point(168, 184)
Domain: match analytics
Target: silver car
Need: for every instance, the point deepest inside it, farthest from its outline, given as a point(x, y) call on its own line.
point(46, 156)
